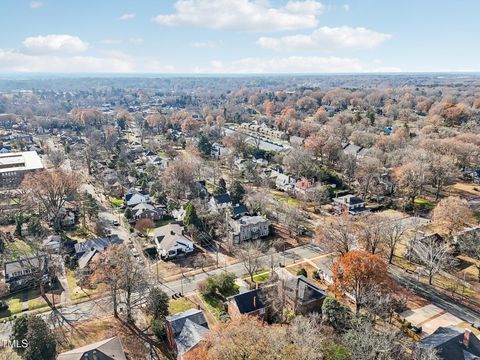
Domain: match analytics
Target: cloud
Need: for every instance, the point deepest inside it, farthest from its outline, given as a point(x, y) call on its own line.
point(294, 64)
point(128, 16)
point(346, 7)
point(111, 62)
point(205, 45)
point(327, 39)
point(243, 15)
point(136, 41)
point(36, 4)
point(110, 42)
point(55, 44)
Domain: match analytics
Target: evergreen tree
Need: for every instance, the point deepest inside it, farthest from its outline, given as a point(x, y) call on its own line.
point(191, 217)
point(34, 331)
point(204, 145)
point(237, 192)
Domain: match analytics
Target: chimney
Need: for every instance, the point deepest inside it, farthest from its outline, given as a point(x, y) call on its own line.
point(172, 232)
point(254, 302)
point(466, 337)
point(257, 285)
point(198, 307)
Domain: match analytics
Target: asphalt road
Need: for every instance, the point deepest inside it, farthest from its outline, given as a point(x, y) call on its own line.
point(436, 297)
point(98, 308)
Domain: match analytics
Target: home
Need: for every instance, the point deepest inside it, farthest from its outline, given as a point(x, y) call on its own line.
point(185, 331)
point(14, 166)
point(52, 243)
point(67, 217)
point(171, 242)
point(85, 251)
point(303, 296)
point(24, 272)
point(285, 182)
point(134, 197)
point(324, 269)
point(109, 349)
point(220, 202)
point(452, 343)
point(247, 303)
point(349, 204)
point(247, 228)
point(302, 185)
point(147, 211)
point(239, 210)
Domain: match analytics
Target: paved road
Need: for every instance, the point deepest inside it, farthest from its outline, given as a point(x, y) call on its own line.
point(436, 297)
point(100, 307)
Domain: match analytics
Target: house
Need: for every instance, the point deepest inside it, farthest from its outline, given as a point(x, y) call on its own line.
point(352, 149)
point(14, 165)
point(147, 211)
point(324, 269)
point(134, 197)
point(247, 303)
point(349, 204)
point(302, 185)
point(67, 217)
point(303, 296)
point(85, 251)
point(171, 242)
point(452, 343)
point(24, 271)
point(220, 202)
point(185, 331)
point(109, 349)
point(239, 210)
point(285, 182)
point(247, 228)
point(52, 243)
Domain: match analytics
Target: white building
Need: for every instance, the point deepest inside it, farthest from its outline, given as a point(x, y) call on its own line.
point(171, 242)
point(247, 228)
point(14, 165)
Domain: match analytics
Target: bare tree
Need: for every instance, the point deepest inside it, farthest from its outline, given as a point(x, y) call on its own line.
point(249, 255)
point(392, 232)
point(369, 229)
point(434, 255)
point(336, 234)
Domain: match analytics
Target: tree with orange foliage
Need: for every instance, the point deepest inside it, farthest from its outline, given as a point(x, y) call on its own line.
point(358, 271)
point(269, 108)
point(452, 215)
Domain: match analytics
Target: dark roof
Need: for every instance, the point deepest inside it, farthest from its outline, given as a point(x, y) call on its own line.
point(109, 349)
point(25, 263)
point(240, 210)
point(248, 301)
point(307, 292)
point(448, 341)
point(223, 198)
point(189, 328)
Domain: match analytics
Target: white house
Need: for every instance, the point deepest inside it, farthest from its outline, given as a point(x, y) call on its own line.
point(134, 197)
point(220, 202)
point(285, 182)
point(171, 242)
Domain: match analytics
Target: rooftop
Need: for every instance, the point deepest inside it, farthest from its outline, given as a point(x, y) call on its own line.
point(20, 161)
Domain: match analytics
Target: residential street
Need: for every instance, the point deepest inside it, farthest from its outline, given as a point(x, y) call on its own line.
point(100, 307)
point(436, 297)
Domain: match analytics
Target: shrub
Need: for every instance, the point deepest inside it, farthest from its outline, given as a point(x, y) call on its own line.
point(301, 272)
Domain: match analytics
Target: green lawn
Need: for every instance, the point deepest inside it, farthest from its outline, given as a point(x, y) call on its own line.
point(116, 202)
point(424, 203)
point(282, 197)
point(261, 271)
point(261, 277)
point(213, 304)
point(18, 248)
point(180, 305)
point(75, 292)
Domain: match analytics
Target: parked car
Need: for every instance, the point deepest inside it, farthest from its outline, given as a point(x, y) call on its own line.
point(115, 223)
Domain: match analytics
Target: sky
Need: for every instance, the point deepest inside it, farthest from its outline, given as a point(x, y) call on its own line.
point(239, 36)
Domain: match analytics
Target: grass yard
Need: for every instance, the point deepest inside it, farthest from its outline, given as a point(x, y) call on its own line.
point(282, 197)
point(180, 305)
point(261, 277)
point(213, 304)
point(424, 203)
point(18, 248)
point(116, 202)
point(76, 293)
